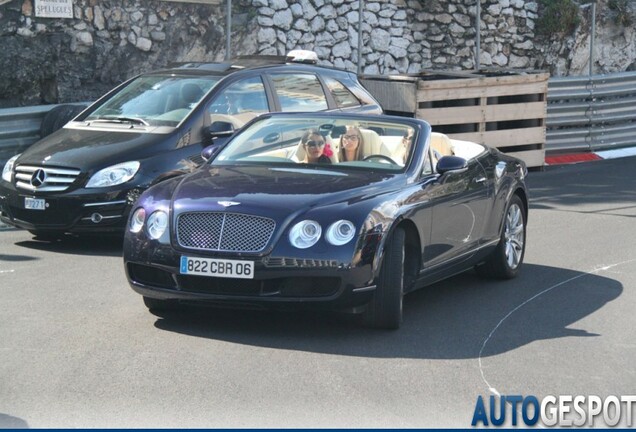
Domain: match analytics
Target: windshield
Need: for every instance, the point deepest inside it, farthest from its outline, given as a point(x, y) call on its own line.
point(154, 100)
point(322, 141)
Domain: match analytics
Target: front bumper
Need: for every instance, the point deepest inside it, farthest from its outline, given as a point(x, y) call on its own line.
point(78, 211)
point(153, 271)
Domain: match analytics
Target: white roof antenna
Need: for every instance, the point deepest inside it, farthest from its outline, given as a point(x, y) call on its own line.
point(303, 56)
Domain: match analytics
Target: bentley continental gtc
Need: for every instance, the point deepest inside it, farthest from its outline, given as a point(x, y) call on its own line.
point(338, 210)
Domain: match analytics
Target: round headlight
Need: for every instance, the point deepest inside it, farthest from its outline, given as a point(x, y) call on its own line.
point(157, 224)
point(137, 220)
point(305, 234)
point(340, 232)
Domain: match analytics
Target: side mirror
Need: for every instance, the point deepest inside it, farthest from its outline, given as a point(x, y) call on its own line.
point(208, 152)
point(451, 163)
point(218, 129)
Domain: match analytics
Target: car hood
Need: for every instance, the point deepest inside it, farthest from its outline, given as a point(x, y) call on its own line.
point(87, 149)
point(275, 191)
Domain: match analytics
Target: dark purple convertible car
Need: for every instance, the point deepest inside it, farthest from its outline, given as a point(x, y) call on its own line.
point(266, 223)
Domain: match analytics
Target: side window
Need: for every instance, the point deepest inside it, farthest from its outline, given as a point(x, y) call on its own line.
point(243, 96)
point(428, 168)
point(341, 94)
point(299, 92)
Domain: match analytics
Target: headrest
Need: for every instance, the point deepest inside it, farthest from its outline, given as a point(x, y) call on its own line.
point(191, 93)
point(372, 143)
point(441, 144)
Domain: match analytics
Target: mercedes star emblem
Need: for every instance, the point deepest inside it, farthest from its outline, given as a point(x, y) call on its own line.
point(38, 178)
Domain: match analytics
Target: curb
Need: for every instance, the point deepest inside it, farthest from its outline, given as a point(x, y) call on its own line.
point(572, 158)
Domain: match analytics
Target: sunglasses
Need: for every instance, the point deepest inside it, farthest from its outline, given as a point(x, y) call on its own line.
point(314, 143)
point(351, 137)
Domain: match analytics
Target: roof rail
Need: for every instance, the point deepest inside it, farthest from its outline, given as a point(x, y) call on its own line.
point(213, 67)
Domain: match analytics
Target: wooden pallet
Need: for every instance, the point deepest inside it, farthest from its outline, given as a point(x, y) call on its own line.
point(500, 109)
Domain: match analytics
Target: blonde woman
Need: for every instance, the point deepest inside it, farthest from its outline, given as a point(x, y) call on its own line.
point(350, 145)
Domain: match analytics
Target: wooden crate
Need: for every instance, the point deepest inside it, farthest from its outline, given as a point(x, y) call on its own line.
point(501, 109)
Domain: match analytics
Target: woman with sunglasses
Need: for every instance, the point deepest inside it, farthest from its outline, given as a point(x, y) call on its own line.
point(350, 145)
point(314, 144)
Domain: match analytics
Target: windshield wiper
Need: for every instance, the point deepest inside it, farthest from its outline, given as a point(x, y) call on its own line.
point(131, 120)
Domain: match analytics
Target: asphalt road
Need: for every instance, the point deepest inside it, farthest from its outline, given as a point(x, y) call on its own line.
point(79, 349)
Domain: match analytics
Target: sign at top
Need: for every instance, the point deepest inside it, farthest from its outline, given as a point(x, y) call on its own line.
point(54, 8)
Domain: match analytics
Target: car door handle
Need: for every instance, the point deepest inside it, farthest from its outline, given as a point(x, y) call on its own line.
point(480, 180)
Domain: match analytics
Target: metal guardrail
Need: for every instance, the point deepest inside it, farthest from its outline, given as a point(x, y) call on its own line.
point(595, 112)
point(19, 128)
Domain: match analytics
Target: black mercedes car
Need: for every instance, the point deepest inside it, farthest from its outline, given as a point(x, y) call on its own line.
point(85, 177)
point(269, 222)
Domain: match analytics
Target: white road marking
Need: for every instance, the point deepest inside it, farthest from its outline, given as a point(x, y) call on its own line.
point(483, 346)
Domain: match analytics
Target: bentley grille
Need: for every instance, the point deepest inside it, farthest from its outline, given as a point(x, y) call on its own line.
point(224, 232)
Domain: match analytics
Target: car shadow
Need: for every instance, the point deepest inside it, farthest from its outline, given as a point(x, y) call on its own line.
point(449, 320)
point(78, 245)
point(16, 258)
point(10, 422)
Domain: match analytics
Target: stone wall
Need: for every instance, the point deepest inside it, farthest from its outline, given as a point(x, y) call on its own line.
point(398, 35)
point(46, 60)
point(62, 60)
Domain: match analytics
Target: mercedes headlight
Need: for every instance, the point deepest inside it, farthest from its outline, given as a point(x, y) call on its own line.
point(305, 234)
point(340, 232)
point(113, 175)
point(157, 224)
point(7, 172)
point(137, 220)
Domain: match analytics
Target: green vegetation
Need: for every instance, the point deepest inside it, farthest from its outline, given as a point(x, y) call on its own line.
point(557, 17)
point(561, 17)
point(622, 14)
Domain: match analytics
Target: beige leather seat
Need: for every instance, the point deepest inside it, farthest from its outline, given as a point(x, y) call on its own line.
point(373, 144)
point(441, 144)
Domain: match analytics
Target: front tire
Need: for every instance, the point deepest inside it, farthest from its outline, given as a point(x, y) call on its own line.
point(385, 309)
point(506, 259)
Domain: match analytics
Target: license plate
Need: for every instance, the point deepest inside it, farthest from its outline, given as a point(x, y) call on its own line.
point(34, 204)
point(217, 267)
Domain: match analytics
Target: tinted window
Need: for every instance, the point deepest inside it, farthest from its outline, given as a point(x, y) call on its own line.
point(299, 92)
point(343, 97)
point(427, 169)
point(243, 96)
